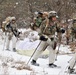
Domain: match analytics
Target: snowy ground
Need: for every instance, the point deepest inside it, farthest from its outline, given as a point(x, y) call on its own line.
point(12, 63)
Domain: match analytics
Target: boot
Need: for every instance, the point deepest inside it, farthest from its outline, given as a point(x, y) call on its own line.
point(33, 62)
point(52, 65)
point(14, 49)
point(7, 49)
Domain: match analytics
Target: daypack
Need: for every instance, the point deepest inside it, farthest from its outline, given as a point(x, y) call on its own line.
point(38, 21)
point(3, 26)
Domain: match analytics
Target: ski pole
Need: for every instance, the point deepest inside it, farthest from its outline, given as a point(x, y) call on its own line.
point(33, 53)
point(57, 52)
point(36, 48)
point(71, 58)
point(4, 42)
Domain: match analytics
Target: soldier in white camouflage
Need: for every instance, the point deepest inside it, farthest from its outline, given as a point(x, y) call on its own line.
point(41, 16)
point(47, 39)
point(10, 28)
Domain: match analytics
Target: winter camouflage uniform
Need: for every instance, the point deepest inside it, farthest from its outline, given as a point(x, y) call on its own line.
point(10, 27)
point(47, 40)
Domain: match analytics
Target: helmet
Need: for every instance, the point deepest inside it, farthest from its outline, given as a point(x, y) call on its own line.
point(13, 18)
point(52, 13)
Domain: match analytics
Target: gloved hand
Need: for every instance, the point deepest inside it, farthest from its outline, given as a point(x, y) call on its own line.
point(62, 30)
point(43, 38)
point(52, 39)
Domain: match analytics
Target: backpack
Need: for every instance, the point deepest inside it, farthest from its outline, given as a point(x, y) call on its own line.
point(3, 26)
point(49, 30)
point(6, 22)
point(37, 23)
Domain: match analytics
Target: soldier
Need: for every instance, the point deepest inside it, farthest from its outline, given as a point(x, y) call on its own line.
point(47, 38)
point(11, 32)
point(72, 64)
point(38, 20)
point(74, 29)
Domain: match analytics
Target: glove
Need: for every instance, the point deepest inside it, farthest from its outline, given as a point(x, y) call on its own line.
point(62, 31)
point(52, 39)
point(42, 38)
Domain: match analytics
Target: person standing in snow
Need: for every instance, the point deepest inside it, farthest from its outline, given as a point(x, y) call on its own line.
point(10, 28)
point(47, 39)
point(37, 22)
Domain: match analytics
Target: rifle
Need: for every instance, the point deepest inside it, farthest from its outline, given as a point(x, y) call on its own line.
point(15, 31)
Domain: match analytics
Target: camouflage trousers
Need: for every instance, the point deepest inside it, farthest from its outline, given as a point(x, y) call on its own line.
point(11, 41)
point(42, 47)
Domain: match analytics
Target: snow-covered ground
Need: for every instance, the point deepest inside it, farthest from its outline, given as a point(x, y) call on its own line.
point(12, 63)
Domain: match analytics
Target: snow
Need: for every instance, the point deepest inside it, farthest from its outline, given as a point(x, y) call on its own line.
point(9, 58)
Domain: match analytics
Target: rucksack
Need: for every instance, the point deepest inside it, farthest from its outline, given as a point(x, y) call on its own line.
point(3, 26)
point(37, 23)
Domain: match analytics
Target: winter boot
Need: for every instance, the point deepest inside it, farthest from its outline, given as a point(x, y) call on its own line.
point(52, 65)
point(7, 49)
point(33, 62)
point(14, 49)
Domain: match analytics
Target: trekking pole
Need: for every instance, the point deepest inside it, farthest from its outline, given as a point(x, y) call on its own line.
point(71, 58)
point(33, 53)
point(4, 42)
point(57, 51)
point(36, 48)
